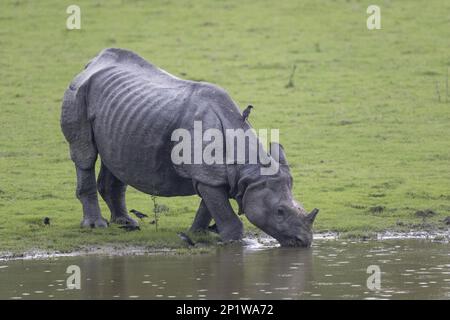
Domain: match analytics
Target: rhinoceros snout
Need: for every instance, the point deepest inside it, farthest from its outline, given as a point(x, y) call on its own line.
point(295, 242)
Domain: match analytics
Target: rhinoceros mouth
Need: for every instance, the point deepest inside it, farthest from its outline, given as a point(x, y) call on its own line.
point(294, 242)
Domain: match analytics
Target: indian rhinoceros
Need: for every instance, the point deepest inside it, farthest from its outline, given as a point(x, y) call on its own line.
point(125, 109)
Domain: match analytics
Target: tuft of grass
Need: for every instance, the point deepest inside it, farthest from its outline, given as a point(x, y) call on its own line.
point(358, 235)
point(290, 83)
point(377, 209)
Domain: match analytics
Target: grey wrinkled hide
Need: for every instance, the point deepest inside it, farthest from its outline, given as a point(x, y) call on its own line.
point(125, 109)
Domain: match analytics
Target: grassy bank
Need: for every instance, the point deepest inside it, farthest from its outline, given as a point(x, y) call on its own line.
point(365, 120)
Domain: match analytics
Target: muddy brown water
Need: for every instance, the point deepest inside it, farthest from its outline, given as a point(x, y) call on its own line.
point(410, 269)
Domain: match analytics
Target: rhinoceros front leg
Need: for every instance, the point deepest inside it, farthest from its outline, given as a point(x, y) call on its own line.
point(202, 219)
point(87, 194)
point(113, 191)
point(216, 199)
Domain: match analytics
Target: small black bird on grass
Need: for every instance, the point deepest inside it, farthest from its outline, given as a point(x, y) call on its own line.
point(446, 220)
point(424, 214)
point(183, 236)
point(138, 214)
point(129, 227)
point(47, 221)
point(246, 112)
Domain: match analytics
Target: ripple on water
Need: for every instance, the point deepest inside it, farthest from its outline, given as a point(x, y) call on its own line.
point(336, 266)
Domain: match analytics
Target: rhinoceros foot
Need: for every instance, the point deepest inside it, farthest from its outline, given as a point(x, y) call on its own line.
point(124, 220)
point(99, 222)
point(232, 231)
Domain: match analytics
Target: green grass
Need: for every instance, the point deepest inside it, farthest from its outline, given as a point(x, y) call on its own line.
point(361, 120)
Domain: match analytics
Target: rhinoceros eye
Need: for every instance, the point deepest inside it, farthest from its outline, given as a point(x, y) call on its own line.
point(281, 213)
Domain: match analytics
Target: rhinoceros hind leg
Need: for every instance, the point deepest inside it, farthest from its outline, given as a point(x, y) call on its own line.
point(230, 227)
point(113, 191)
point(202, 219)
point(87, 194)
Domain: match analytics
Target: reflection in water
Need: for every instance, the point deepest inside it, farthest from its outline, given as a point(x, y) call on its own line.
point(331, 269)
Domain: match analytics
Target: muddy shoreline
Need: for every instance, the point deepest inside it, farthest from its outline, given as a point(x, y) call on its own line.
point(250, 242)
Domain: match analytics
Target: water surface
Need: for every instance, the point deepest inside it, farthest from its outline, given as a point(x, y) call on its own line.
point(410, 269)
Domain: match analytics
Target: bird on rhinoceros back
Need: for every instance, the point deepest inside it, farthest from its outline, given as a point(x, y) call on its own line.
point(129, 112)
point(246, 113)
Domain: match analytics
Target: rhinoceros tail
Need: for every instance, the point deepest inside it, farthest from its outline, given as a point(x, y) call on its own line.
point(75, 124)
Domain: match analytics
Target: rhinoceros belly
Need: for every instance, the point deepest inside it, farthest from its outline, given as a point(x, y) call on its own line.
point(133, 117)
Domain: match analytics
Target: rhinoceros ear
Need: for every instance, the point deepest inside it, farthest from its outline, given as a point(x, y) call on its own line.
point(277, 152)
point(312, 216)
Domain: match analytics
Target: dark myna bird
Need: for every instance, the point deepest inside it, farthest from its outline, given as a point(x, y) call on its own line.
point(138, 214)
point(129, 227)
point(447, 220)
point(47, 221)
point(246, 113)
point(183, 236)
point(213, 228)
point(424, 214)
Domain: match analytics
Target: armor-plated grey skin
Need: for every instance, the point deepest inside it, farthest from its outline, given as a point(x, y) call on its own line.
point(125, 109)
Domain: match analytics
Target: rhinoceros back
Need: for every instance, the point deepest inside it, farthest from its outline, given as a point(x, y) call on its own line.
point(125, 109)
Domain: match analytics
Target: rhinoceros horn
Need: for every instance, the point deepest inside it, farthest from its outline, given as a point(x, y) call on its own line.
point(312, 216)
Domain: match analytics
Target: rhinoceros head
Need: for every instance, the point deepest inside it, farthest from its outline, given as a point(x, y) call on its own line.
point(268, 204)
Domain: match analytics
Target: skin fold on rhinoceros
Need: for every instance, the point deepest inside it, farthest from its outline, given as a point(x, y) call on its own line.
point(125, 109)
